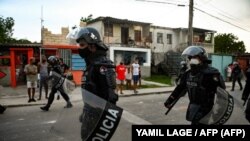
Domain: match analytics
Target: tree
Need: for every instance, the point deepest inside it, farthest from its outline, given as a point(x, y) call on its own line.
point(19, 41)
point(6, 29)
point(88, 19)
point(228, 43)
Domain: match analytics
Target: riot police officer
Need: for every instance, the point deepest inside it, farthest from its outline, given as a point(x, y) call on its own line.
point(245, 94)
point(99, 75)
point(57, 83)
point(200, 81)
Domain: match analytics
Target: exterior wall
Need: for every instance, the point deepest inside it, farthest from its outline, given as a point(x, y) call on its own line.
point(54, 39)
point(116, 58)
point(5, 81)
point(220, 62)
point(163, 47)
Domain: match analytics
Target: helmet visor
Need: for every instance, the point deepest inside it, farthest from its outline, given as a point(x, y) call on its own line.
point(192, 51)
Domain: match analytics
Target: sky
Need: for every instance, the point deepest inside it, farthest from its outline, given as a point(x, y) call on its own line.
point(222, 16)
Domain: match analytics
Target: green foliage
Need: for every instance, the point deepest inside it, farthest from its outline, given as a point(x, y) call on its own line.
point(19, 41)
point(6, 29)
point(228, 43)
point(87, 19)
point(159, 78)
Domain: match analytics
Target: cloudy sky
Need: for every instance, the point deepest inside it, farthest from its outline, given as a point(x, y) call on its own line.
point(223, 16)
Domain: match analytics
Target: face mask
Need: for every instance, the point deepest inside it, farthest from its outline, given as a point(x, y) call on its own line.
point(194, 66)
point(194, 61)
point(84, 53)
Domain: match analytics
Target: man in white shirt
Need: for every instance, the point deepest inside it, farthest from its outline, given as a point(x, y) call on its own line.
point(135, 74)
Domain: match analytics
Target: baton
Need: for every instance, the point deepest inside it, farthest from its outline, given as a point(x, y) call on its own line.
point(182, 94)
point(171, 106)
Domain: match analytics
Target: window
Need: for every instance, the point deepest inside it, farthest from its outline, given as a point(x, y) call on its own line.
point(169, 39)
point(137, 35)
point(149, 38)
point(208, 38)
point(108, 29)
point(160, 38)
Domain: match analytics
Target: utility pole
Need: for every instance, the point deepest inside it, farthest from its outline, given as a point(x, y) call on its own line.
point(190, 23)
point(42, 24)
point(41, 33)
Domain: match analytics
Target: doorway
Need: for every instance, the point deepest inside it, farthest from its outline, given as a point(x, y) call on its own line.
point(124, 35)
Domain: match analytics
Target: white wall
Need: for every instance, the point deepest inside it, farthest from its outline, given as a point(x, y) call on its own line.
point(163, 47)
point(147, 51)
point(145, 68)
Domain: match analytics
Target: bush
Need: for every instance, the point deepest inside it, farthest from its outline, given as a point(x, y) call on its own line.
point(159, 78)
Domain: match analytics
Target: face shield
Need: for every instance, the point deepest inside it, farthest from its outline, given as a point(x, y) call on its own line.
point(193, 51)
point(60, 82)
point(72, 35)
point(99, 117)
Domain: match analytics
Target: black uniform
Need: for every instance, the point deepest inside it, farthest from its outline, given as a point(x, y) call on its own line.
point(54, 89)
point(245, 94)
point(201, 83)
point(181, 72)
point(98, 78)
point(57, 82)
point(201, 89)
point(236, 76)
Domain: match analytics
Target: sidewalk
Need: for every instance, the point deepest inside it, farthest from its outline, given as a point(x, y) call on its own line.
point(15, 97)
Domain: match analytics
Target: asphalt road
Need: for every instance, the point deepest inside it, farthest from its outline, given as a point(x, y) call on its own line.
point(59, 124)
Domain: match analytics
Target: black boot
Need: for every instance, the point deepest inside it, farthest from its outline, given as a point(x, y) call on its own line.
point(45, 108)
point(2, 109)
point(69, 105)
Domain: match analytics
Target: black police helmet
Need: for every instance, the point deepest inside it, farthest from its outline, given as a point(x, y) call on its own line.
point(91, 36)
point(53, 60)
point(196, 51)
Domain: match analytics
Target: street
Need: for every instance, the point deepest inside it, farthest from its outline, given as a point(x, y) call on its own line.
point(29, 123)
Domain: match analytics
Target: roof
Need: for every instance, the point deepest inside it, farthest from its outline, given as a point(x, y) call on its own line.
point(61, 46)
point(21, 45)
point(195, 29)
point(116, 21)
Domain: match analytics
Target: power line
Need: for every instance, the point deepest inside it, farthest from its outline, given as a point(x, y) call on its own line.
point(161, 2)
point(225, 14)
point(221, 19)
point(176, 4)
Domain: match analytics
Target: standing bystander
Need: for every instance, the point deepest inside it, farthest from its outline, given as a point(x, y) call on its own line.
point(31, 76)
point(128, 75)
point(120, 77)
point(135, 74)
point(44, 75)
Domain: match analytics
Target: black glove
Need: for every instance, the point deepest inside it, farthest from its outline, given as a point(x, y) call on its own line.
point(169, 102)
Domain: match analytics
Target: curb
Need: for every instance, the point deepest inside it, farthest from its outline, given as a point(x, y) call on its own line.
point(77, 100)
point(141, 94)
point(23, 105)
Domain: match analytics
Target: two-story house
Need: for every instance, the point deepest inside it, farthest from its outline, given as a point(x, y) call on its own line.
point(132, 39)
point(168, 43)
point(128, 40)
